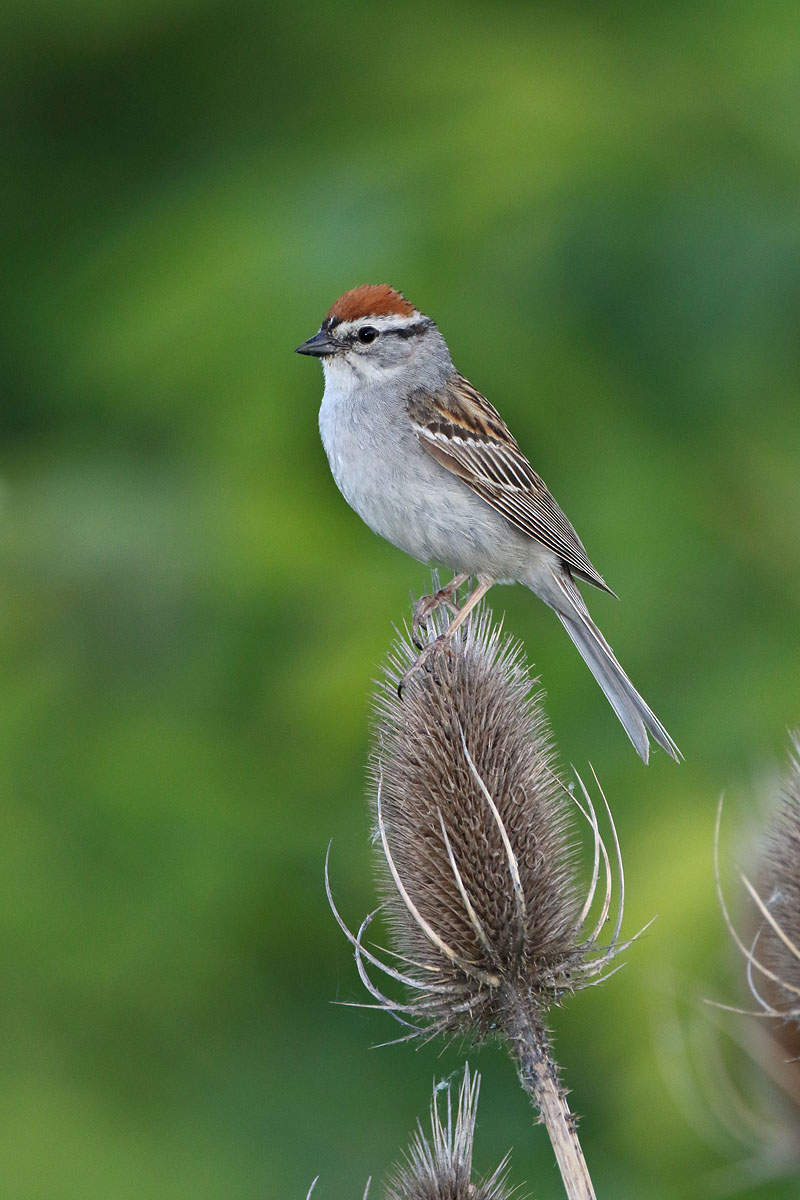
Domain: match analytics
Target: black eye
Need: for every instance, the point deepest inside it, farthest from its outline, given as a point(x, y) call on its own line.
point(367, 333)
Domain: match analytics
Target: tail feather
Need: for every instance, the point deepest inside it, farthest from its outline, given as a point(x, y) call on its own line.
point(636, 718)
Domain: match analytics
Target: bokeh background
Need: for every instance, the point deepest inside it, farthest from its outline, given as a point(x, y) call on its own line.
point(600, 205)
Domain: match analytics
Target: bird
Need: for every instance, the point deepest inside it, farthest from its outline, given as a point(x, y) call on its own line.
point(431, 466)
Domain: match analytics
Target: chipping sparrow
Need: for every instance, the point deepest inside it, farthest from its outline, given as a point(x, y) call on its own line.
point(430, 465)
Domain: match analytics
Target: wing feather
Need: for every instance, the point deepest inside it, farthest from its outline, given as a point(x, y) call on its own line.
point(465, 433)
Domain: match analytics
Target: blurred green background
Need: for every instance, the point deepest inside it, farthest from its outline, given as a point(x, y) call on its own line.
point(600, 205)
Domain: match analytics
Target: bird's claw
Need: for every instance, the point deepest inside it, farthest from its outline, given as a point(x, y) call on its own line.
point(425, 660)
point(428, 604)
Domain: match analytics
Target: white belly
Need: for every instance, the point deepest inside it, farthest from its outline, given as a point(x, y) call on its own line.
point(414, 502)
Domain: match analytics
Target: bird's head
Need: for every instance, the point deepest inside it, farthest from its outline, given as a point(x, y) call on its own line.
point(373, 333)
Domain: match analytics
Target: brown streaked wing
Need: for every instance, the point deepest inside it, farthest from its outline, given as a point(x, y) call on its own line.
point(466, 434)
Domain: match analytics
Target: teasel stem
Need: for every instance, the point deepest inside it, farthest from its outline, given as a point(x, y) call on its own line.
point(529, 1046)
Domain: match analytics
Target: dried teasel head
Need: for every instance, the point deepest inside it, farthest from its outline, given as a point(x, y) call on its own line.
point(773, 957)
point(780, 941)
point(738, 1080)
point(478, 863)
point(440, 1167)
point(477, 853)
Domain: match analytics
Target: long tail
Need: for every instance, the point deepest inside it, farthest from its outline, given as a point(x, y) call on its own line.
point(636, 717)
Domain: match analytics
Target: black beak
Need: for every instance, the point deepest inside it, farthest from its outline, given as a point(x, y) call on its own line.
point(320, 345)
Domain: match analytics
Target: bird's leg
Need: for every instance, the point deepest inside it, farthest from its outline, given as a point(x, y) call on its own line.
point(428, 604)
point(475, 597)
point(432, 648)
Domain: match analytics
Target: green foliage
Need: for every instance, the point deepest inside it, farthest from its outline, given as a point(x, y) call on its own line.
point(599, 206)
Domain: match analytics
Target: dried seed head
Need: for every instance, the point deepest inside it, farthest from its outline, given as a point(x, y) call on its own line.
point(441, 1168)
point(780, 889)
point(478, 871)
point(773, 955)
point(475, 821)
point(475, 832)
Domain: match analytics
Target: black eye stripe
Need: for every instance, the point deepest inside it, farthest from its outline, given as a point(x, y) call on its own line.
point(401, 331)
point(407, 331)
